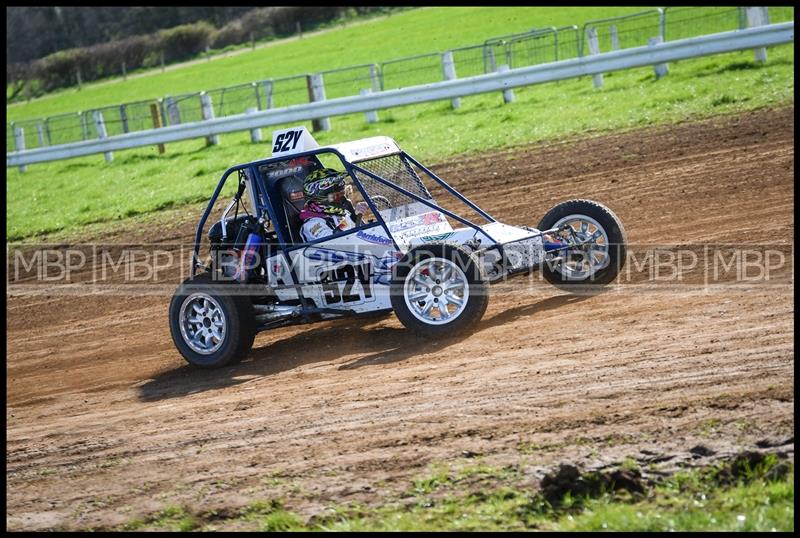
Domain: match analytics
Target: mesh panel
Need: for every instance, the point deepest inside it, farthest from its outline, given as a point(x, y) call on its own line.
point(686, 22)
point(289, 91)
point(395, 169)
point(234, 100)
point(569, 43)
point(532, 50)
point(625, 32)
point(411, 71)
point(398, 170)
point(346, 82)
point(470, 61)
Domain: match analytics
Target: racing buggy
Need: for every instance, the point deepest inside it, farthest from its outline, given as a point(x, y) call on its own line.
point(429, 259)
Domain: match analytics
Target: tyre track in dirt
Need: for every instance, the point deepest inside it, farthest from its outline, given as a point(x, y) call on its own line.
point(105, 423)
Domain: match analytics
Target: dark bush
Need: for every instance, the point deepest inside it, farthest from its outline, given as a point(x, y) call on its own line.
point(184, 41)
point(179, 43)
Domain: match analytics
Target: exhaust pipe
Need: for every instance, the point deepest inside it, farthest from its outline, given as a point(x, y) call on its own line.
point(267, 313)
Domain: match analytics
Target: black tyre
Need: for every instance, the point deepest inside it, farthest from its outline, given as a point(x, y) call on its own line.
point(596, 262)
point(211, 326)
point(439, 290)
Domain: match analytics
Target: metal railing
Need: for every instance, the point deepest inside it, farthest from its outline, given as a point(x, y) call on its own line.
point(751, 38)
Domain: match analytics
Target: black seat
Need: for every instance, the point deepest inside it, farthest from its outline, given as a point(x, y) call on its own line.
point(291, 189)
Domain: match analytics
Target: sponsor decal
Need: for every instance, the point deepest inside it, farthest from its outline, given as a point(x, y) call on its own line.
point(316, 229)
point(418, 220)
point(369, 151)
point(335, 256)
point(438, 237)
point(284, 172)
point(372, 238)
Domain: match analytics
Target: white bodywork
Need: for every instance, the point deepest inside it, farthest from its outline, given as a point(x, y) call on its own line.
point(352, 271)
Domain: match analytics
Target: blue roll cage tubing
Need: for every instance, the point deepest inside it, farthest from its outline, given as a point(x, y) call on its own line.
point(285, 247)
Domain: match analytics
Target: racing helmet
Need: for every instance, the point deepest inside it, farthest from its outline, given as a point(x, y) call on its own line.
point(324, 186)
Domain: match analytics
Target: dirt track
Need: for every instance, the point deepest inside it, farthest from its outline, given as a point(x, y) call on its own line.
point(105, 422)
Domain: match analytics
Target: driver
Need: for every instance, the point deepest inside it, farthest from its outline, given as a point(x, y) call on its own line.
point(327, 210)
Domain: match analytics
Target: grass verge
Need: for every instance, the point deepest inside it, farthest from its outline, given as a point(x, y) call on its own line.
point(751, 492)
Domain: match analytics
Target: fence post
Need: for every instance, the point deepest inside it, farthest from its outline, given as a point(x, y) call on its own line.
point(614, 37)
point(316, 92)
point(100, 127)
point(594, 48)
point(258, 95)
point(371, 115)
point(84, 127)
point(19, 144)
point(123, 114)
point(255, 134)
point(489, 61)
point(155, 113)
point(173, 113)
point(758, 16)
point(208, 114)
point(508, 95)
point(267, 86)
point(660, 69)
point(375, 78)
point(449, 70)
point(40, 134)
point(124, 72)
point(47, 131)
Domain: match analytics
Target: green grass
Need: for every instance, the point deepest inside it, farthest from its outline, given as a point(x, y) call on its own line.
point(478, 497)
point(65, 195)
point(407, 33)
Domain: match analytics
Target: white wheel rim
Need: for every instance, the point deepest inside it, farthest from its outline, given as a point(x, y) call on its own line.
point(436, 291)
point(583, 264)
point(202, 323)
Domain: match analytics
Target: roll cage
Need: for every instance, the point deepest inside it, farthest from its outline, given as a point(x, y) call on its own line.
point(268, 197)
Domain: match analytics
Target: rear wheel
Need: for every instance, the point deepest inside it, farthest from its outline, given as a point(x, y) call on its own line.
point(597, 242)
point(439, 290)
point(210, 325)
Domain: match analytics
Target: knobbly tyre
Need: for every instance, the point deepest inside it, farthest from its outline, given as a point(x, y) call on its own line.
point(431, 263)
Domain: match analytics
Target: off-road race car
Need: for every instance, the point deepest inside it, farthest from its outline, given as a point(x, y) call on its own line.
point(430, 259)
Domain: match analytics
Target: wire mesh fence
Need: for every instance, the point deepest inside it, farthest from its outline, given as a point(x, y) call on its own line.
point(411, 71)
point(685, 22)
point(235, 99)
point(289, 91)
point(623, 32)
point(534, 47)
point(350, 80)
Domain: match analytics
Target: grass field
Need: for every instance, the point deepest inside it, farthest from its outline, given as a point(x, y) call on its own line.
point(407, 33)
point(497, 499)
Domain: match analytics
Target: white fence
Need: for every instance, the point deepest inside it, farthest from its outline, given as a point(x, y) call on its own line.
point(751, 38)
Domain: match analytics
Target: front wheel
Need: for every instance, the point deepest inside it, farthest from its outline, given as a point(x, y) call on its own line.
point(439, 290)
point(595, 244)
point(211, 325)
